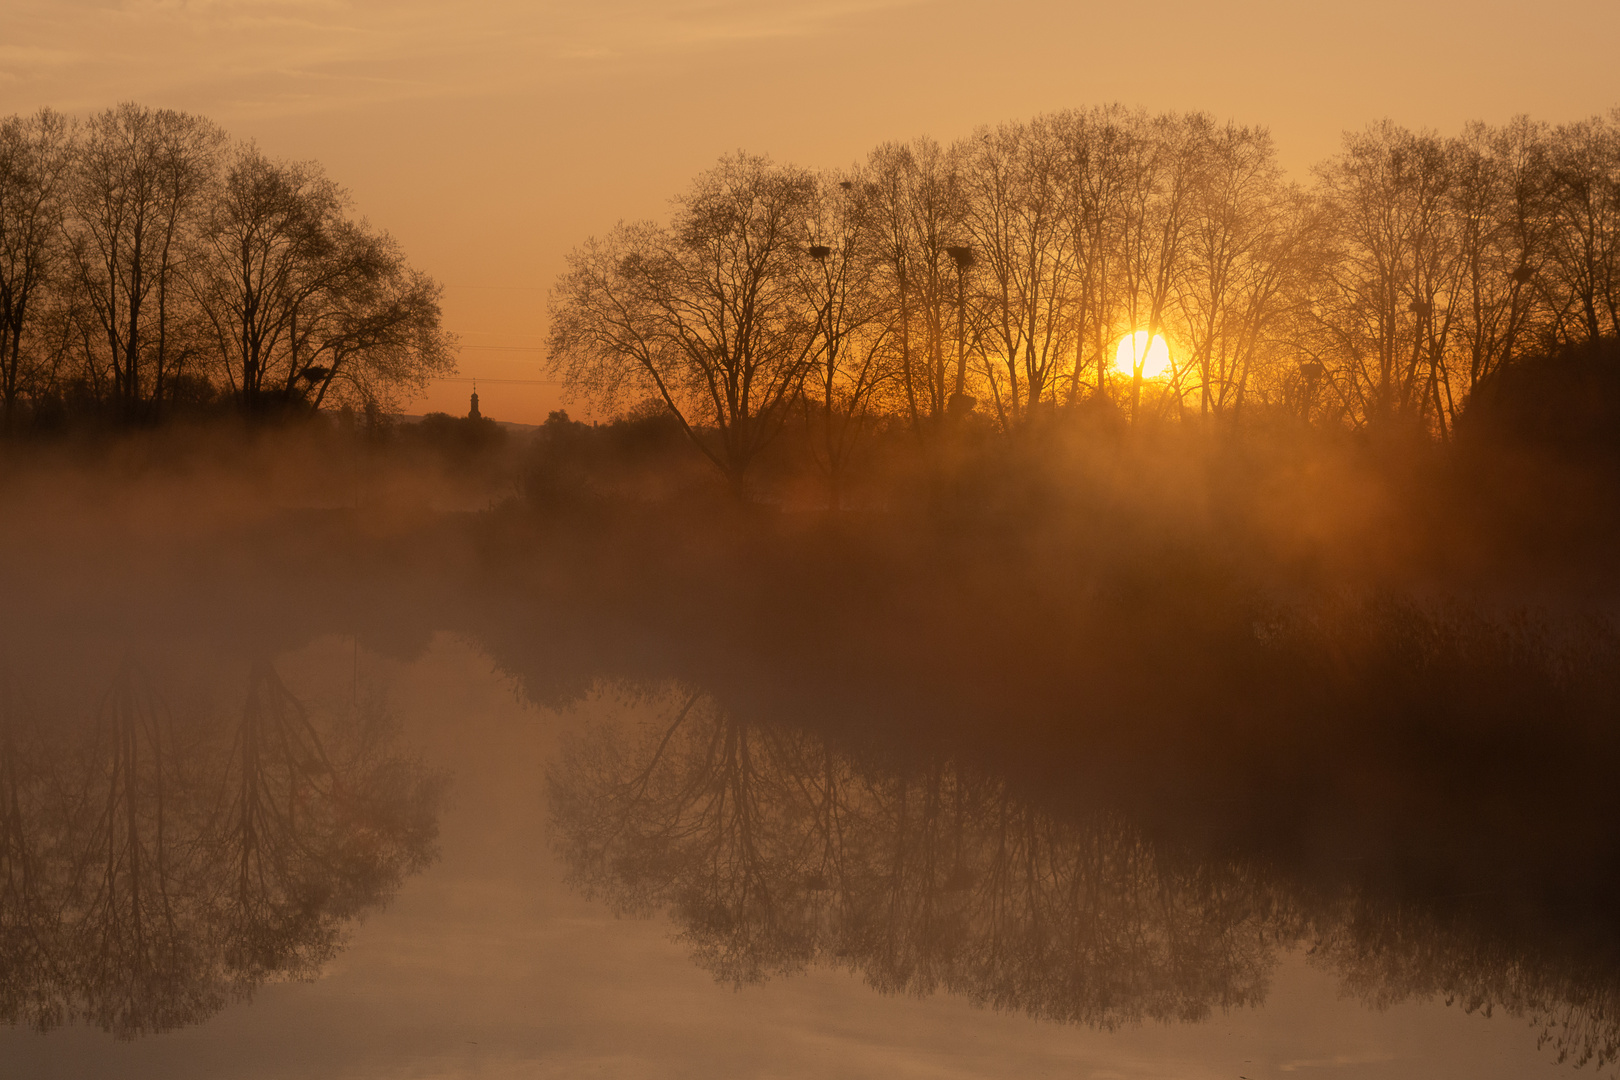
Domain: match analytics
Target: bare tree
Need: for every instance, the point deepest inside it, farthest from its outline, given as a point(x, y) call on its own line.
point(1499, 198)
point(853, 323)
point(1100, 150)
point(270, 235)
point(303, 302)
point(378, 336)
point(1026, 290)
point(1245, 247)
point(917, 204)
point(1395, 279)
point(1583, 264)
point(35, 155)
point(1163, 173)
point(140, 178)
point(706, 313)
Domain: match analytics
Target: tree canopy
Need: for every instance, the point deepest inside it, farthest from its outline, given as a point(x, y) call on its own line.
point(149, 263)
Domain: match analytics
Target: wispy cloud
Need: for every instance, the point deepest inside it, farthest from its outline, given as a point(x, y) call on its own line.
point(293, 55)
point(19, 58)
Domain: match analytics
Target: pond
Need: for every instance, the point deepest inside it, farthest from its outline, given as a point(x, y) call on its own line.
point(371, 816)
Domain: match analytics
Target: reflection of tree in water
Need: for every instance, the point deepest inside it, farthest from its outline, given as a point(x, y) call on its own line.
point(157, 868)
point(315, 831)
point(31, 979)
point(133, 937)
point(1386, 954)
point(774, 852)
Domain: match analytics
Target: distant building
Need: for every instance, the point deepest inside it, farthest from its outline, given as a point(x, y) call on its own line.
point(473, 413)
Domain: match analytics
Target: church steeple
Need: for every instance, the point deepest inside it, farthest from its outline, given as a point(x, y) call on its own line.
point(473, 413)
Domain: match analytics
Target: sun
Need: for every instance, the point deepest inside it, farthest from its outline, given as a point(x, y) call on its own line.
point(1155, 359)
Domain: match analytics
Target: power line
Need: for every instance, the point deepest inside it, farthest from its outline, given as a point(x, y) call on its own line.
point(503, 382)
point(506, 348)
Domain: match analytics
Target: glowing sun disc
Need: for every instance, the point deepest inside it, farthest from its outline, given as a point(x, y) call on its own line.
point(1155, 357)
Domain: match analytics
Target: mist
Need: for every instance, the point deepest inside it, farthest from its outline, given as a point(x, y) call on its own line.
point(886, 661)
point(1344, 672)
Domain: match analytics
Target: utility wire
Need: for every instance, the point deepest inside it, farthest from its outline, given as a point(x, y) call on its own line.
point(503, 382)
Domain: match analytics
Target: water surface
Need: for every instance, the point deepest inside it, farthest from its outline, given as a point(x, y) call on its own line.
point(405, 821)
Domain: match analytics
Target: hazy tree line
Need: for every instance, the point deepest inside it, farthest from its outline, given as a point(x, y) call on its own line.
point(148, 263)
point(994, 278)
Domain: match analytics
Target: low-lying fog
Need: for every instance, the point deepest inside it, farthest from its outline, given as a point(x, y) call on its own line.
point(1094, 749)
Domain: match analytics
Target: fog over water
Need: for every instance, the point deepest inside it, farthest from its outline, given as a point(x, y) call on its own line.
point(328, 756)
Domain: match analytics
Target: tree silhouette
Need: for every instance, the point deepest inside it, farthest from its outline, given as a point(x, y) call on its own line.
point(304, 303)
point(35, 163)
point(706, 314)
point(141, 177)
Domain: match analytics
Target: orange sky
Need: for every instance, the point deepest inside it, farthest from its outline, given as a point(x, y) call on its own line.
point(491, 136)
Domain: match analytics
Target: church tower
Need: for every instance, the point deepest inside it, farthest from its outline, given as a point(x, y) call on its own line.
point(473, 413)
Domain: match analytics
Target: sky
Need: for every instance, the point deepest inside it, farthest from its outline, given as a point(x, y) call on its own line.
point(493, 136)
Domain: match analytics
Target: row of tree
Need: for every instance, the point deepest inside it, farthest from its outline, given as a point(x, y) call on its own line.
point(1000, 275)
point(147, 261)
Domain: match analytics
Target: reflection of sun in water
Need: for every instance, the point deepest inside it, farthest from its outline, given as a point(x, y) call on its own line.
point(1155, 360)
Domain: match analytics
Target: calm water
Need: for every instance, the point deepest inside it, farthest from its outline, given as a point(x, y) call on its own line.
point(488, 842)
